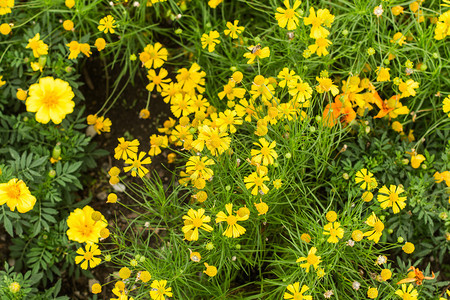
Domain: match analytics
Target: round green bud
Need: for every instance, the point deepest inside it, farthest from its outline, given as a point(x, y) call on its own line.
point(208, 25)
point(423, 67)
point(275, 164)
point(345, 32)
point(51, 173)
point(387, 61)
point(435, 55)
point(238, 246)
point(288, 155)
point(228, 188)
point(233, 69)
point(400, 239)
point(345, 176)
point(257, 39)
point(405, 161)
point(209, 246)
point(390, 230)
point(179, 31)
point(424, 166)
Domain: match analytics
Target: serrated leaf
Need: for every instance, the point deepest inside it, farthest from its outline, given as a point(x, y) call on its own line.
point(8, 226)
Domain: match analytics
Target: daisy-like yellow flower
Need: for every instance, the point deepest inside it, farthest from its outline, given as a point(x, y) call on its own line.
point(193, 221)
point(228, 119)
point(299, 90)
point(39, 47)
point(446, 105)
point(101, 124)
point(5, 6)
point(407, 292)
point(126, 149)
point(256, 52)
point(323, 17)
point(366, 177)
point(159, 290)
point(255, 183)
point(88, 256)
point(153, 56)
point(137, 163)
point(320, 46)
point(297, 293)
point(233, 29)
point(383, 74)
point(326, 85)
point(261, 207)
point(288, 16)
point(396, 10)
point(211, 40)
point(391, 198)
point(231, 91)
point(442, 29)
point(159, 81)
point(233, 228)
point(51, 99)
point(214, 3)
point(266, 155)
point(408, 88)
point(107, 24)
point(311, 260)
point(287, 77)
point(198, 167)
point(216, 141)
point(82, 228)
point(398, 38)
point(377, 230)
point(334, 231)
point(16, 194)
point(156, 143)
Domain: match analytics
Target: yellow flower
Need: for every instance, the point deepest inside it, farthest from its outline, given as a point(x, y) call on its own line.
point(124, 273)
point(386, 274)
point(408, 88)
point(372, 293)
point(227, 119)
point(408, 247)
point(297, 293)
point(39, 47)
point(85, 49)
point(70, 3)
point(416, 160)
point(277, 183)
point(107, 24)
point(378, 228)
point(193, 221)
point(311, 260)
point(266, 155)
point(331, 216)
point(443, 26)
point(137, 163)
point(68, 25)
point(305, 237)
point(5, 29)
point(145, 276)
point(256, 180)
point(159, 290)
point(197, 167)
point(390, 198)
point(233, 228)
point(397, 126)
point(446, 105)
point(233, 29)
point(299, 90)
point(126, 149)
point(195, 256)
point(366, 177)
point(288, 16)
point(21, 94)
point(100, 123)
point(156, 142)
point(357, 235)
point(334, 231)
point(367, 196)
point(74, 48)
point(153, 56)
point(214, 3)
point(396, 10)
point(231, 91)
point(326, 85)
point(216, 141)
point(191, 79)
point(5, 6)
point(96, 288)
point(398, 38)
point(112, 198)
point(211, 40)
point(88, 256)
point(82, 228)
point(407, 292)
point(51, 99)
point(320, 46)
point(159, 81)
point(261, 207)
point(100, 43)
point(211, 271)
point(256, 52)
point(383, 74)
point(323, 17)
point(16, 194)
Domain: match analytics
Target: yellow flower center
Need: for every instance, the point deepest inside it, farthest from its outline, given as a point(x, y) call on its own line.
point(312, 259)
point(228, 89)
point(316, 22)
point(231, 220)
point(333, 232)
point(157, 80)
point(88, 255)
point(50, 100)
point(289, 13)
point(393, 197)
point(265, 151)
point(86, 231)
point(197, 222)
point(14, 192)
point(161, 291)
point(124, 145)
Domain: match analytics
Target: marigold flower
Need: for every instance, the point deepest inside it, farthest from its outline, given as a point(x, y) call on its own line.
point(107, 24)
point(211, 271)
point(159, 290)
point(233, 228)
point(233, 29)
point(16, 194)
point(193, 221)
point(311, 260)
point(51, 99)
point(297, 293)
point(390, 198)
point(88, 256)
point(5, 7)
point(288, 16)
point(82, 228)
point(446, 105)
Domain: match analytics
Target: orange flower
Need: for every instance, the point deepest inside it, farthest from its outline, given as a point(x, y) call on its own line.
point(415, 276)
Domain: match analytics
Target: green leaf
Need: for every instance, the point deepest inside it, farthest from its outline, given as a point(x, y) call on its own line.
point(8, 226)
